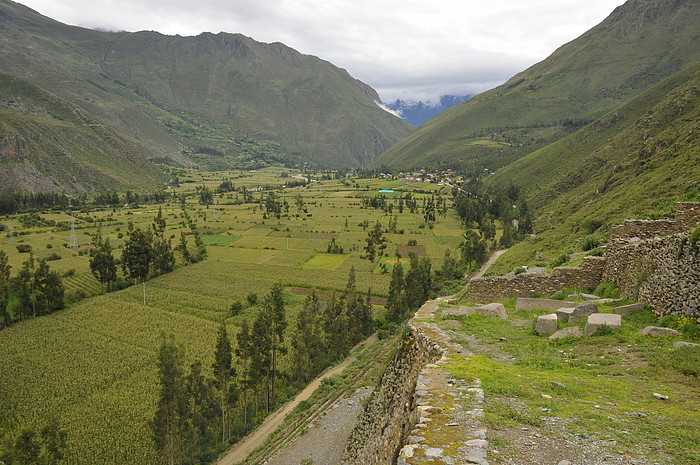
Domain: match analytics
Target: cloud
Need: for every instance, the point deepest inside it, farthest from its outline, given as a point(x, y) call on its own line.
point(402, 48)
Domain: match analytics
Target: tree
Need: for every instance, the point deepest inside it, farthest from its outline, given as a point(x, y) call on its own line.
point(170, 421)
point(54, 439)
point(182, 248)
point(277, 319)
point(5, 318)
point(137, 256)
point(202, 413)
point(395, 301)
point(223, 373)
point(376, 242)
point(308, 348)
point(473, 249)
point(27, 448)
point(102, 263)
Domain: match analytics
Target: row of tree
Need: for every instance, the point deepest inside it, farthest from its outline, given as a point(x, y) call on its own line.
point(34, 291)
point(199, 414)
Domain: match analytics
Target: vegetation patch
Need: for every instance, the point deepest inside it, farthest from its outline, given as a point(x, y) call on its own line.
point(327, 261)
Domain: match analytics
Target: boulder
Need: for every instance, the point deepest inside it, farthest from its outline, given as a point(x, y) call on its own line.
point(681, 344)
point(495, 309)
point(529, 303)
point(546, 324)
point(571, 331)
point(589, 296)
point(658, 331)
point(581, 311)
point(623, 310)
point(563, 314)
point(598, 320)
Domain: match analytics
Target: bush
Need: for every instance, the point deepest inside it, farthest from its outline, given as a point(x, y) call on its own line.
point(590, 242)
point(607, 291)
point(412, 242)
point(519, 270)
point(24, 248)
point(53, 256)
point(560, 260)
point(591, 225)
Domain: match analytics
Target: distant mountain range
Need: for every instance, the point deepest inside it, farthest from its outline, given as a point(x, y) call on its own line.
point(638, 45)
point(212, 101)
point(417, 113)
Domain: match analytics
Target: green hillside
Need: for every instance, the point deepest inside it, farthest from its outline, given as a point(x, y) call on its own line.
point(634, 162)
point(210, 101)
point(48, 144)
point(639, 44)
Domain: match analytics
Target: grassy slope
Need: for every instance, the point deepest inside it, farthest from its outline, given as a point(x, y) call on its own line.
point(634, 162)
point(224, 92)
point(49, 144)
point(639, 44)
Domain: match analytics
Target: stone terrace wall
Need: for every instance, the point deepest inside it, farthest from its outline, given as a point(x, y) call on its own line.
point(588, 275)
point(662, 272)
point(388, 416)
point(687, 216)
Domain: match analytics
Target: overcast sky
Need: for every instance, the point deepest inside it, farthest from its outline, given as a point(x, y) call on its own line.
point(409, 49)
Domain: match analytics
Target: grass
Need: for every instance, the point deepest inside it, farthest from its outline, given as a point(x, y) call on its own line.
point(607, 379)
point(326, 261)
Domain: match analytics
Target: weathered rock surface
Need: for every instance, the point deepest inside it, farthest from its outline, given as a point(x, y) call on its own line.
point(581, 311)
point(546, 324)
point(563, 314)
point(682, 344)
point(495, 309)
point(625, 309)
point(528, 303)
point(659, 331)
point(571, 331)
point(598, 320)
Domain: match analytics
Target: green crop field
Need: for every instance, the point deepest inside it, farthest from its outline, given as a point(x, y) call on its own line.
point(93, 365)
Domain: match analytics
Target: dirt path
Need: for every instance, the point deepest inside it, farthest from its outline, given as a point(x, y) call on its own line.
point(496, 255)
point(245, 446)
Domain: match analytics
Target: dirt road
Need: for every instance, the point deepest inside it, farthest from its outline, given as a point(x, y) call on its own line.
point(489, 262)
point(245, 446)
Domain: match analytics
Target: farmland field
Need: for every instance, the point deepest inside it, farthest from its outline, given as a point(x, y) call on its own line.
point(93, 365)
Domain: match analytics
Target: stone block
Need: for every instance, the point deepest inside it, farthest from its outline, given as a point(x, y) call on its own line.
point(581, 311)
point(546, 324)
point(458, 311)
point(563, 314)
point(495, 309)
point(589, 296)
point(625, 309)
point(682, 344)
point(598, 320)
point(659, 331)
point(529, 303)
point(571, 331)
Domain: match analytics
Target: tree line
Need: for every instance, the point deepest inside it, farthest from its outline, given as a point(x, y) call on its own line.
point(201, 412)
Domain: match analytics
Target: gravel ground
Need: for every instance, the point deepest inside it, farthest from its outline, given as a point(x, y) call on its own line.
point(324, 440)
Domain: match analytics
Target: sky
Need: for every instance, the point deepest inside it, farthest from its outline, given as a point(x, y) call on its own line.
point(405, 49)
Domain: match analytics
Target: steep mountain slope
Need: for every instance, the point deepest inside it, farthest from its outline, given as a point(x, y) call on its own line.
point(417, 113)
point(639, 44)
point(213, 100)
point(634, 162)
point(48, 144)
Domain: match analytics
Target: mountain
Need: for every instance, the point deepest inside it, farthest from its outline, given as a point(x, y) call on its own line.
point(634, 162)
point(639, 44)
point(49, 145)
point(417, 113)
point(213, 101)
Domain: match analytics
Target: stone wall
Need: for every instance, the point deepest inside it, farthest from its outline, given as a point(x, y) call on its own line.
point(588, 275)
point(389, 414)
point(663, 272)
point(687, 216)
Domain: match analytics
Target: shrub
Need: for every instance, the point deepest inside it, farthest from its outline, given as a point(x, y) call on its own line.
point(591, 225)
point(53, 256)
point(24, 248)
point(560, 260)
point(607, 290)
point(590, 242)
point(412, 242)
point(519, 270)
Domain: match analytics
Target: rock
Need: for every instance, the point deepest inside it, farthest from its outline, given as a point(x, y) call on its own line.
point(598, 320)
point(564, 313)
point(681, 344)
point(589, 296)
point(660, 396)
point(546, 324)
point(546, 396)
point(483, 443)
point(407, 451)
point(557, 385)
point(458, 311)
point(564, 462)
point(659, 331)
point(495, 309)
point(571, 331)
point(581, 311)
point(623, 310)
point(557, 294)
point(528, 303)
point(433, 452)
